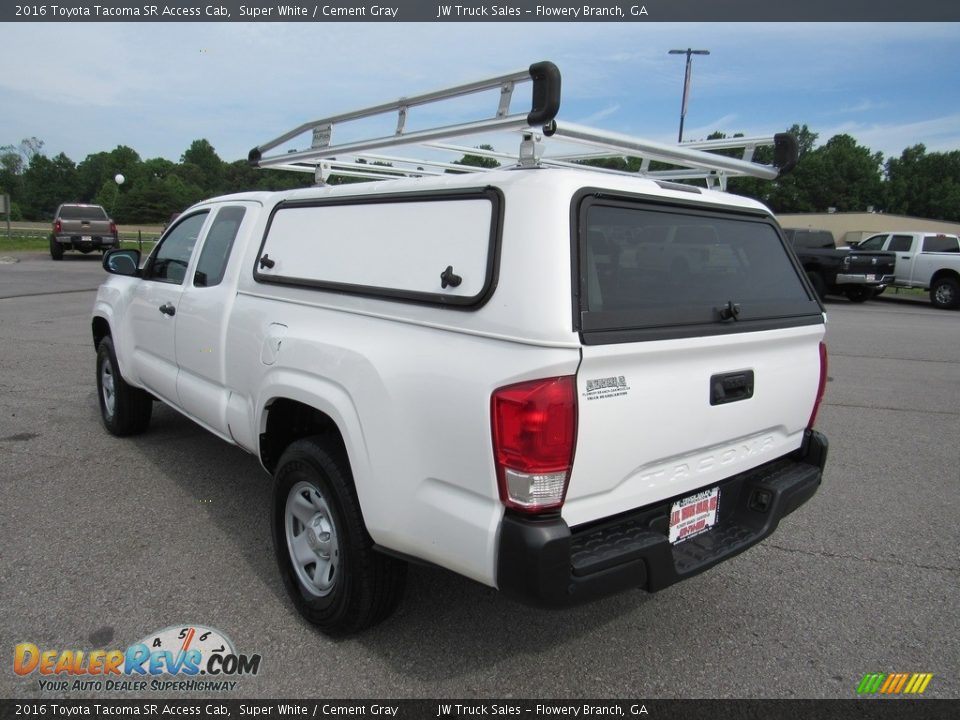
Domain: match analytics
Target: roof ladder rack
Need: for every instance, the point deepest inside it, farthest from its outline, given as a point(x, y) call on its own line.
point(543, 141)
point(544, 106)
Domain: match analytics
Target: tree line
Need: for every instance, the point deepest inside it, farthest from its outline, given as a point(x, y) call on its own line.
point(840, 174)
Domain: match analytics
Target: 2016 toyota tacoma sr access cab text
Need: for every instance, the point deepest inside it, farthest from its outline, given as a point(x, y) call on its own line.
point(556, 381)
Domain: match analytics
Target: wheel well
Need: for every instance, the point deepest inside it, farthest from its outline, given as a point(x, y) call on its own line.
point(939, 274)
point(101, 329)
point(290, 420)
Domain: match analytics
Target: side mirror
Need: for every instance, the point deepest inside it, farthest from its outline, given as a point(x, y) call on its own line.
point(122, 262)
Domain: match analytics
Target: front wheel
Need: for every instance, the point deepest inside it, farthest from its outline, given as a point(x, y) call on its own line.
point(124, 409)
point(945, 293)
point(334, 576)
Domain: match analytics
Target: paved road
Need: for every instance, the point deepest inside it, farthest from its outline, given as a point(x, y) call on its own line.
point(103, 541)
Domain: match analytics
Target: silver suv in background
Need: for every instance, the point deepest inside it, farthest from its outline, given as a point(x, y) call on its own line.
point(82, 227)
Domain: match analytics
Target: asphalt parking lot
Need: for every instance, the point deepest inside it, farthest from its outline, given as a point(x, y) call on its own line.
point(103, 541)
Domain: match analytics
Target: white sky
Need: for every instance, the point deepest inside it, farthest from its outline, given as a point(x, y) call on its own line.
point(158, 87)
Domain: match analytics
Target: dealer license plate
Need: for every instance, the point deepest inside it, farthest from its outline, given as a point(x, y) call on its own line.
point(693, 515)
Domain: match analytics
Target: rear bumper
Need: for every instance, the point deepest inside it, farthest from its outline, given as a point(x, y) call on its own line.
point(78, 242)
point(545, 563)
point(863, 279)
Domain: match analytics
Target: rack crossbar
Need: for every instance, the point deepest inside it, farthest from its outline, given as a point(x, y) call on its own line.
point(672, 154)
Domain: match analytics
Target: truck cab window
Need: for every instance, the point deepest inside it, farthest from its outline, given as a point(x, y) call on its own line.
point(874, 243)
point(170, 260)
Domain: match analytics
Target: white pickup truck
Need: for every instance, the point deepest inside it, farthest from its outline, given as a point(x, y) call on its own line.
point(926, 260)
point(475, 371)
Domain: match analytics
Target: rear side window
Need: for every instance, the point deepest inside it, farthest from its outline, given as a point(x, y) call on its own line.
point(646, 267)
point(216, 248)
point(814, 239)
point(900, 243)
point(436, 248)
point(940, 243)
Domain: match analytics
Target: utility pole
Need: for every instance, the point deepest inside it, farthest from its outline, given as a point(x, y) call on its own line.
point(689, 52)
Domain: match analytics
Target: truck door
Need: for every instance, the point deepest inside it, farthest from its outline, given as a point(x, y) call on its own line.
point(153, 311)
point(902, 245)
point(206, 303)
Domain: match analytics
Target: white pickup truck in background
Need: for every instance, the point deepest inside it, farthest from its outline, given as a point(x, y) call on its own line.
point(930, 261)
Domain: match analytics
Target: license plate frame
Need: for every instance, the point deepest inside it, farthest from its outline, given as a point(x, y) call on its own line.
point(693, 515)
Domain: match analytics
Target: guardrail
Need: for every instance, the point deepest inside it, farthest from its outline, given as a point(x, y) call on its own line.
point(43, 234)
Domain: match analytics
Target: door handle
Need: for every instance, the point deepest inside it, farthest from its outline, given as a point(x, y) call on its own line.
point(168, 309)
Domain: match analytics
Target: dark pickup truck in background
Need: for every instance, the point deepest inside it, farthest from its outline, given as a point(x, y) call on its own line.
point(841, 271)
point(82, 227)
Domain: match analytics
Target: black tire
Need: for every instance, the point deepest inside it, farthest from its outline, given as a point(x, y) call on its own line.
point(819, 286)
point(353, 587)
point(945, 293)
point(56, 249)
point(858, 293)
point(124, 409)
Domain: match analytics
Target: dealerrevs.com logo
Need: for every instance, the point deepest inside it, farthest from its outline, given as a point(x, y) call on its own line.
point(178, 658)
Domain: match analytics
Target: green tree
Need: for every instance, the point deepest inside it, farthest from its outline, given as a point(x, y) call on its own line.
point(99, 168)
point(924, 184)
point(14, 160)
point(11, 172)
point(479, 161)
point(240, 176)
point(840, 174)
point(204, 158)
point(46, 184)
point(782, 194)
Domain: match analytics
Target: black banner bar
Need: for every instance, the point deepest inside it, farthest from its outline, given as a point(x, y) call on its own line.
point(471, 11)
point(874, 709)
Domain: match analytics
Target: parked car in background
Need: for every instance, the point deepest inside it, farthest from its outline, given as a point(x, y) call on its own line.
point(82, 227)
point(925, 260)
point(856, 274)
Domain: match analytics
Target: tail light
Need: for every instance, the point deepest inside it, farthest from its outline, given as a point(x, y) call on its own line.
point(821, 387)
point(113, 228)
point(57, 226)
point(534, 433)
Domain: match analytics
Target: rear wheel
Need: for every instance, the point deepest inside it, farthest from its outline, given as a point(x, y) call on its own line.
point(819, 286)
point(326, 558)
point(56, 249)
point(945, 293)
point(124, 409)
point(858, 294)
